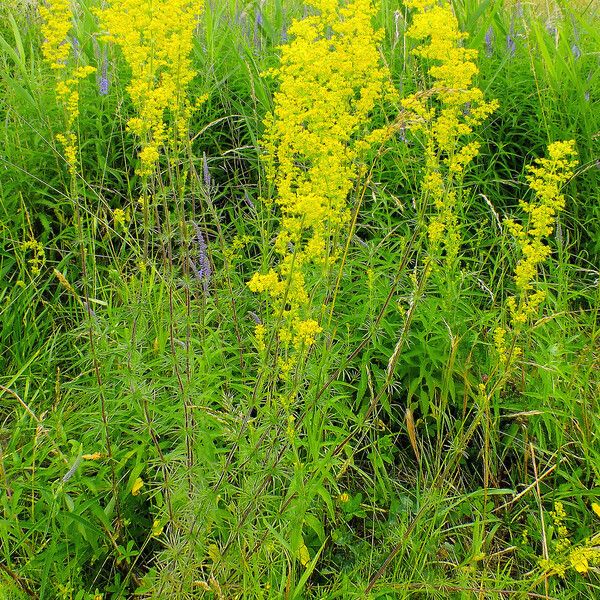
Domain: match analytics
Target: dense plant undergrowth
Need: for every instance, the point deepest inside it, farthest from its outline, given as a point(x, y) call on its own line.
point(299, 299)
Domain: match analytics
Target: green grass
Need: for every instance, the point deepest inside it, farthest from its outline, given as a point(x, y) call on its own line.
point(389, 469)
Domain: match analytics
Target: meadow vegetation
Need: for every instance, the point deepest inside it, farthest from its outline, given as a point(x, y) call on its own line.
point(299, 299)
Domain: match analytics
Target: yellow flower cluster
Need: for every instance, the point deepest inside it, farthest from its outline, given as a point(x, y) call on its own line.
point(580, 557)
point(156, 38)
point(330, 78)
point(505, 354)
point(38, 256)
point(562, 533)
point(57, 20)
point(121, 218)
point(546, 179)
point(447, 113)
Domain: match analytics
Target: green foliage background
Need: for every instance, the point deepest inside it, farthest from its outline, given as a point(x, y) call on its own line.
point(417, 492)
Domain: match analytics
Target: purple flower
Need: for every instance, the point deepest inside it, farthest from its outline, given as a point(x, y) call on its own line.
point(489, 41)
point(254, 317)
point(511, 46)
point(576, 51)
point(103, 83)
point(248, 201)
point(205, 171)
point(76, 47)
point(258, 24)
point(203, 271)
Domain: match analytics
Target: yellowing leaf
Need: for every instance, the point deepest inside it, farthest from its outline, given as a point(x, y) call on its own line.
point(94, 456)
point(137, 486)
point(579, 560)
point(157, 528)
point(214, 553)
point(596, 508)
point(580, 564)
point(303, 555)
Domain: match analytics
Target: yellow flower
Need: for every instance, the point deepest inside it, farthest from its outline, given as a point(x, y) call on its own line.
point(446, 113)
point(306, 331)
point(596, 508)
point(330, 79)
point(579, 560)
point(500, 343)
point(303, 554)
point(56, 23)
point(57, 16)
point(37, 257)
point(260, 332)
point(94, 456)
point(546, 178)
point(156, 38)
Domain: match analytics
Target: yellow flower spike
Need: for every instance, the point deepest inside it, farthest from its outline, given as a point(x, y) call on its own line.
point(579, 560)
point(260, 333)
point(446, 113)
point(546, 178)
point(330, 79)
point(156, 38)
point(57, 20)
point(56, 25)
point(37, 258)
point(137, 486)
point(120, 218)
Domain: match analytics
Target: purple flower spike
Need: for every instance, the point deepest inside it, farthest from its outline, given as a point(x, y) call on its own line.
point(248, 201)
point(489, 41)
point(76, 47)
point(103, 83)
point(205, 171)
point(203, 272)
point(511, 46)
point(576, 51)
